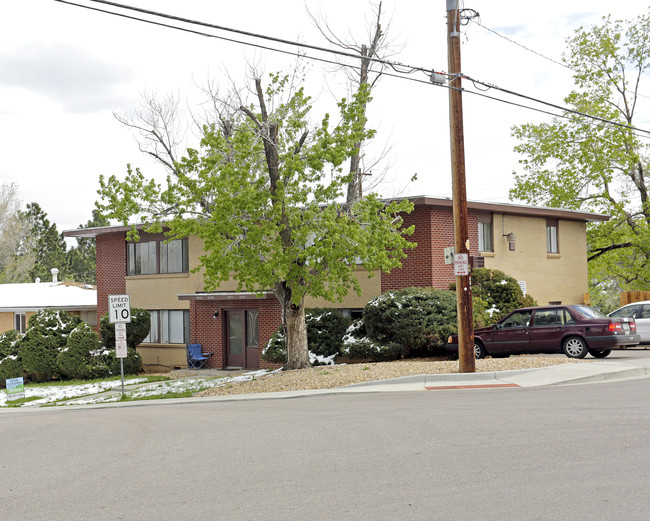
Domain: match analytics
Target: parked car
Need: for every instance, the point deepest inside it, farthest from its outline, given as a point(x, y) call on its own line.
point(573, 330)
point(640, 312)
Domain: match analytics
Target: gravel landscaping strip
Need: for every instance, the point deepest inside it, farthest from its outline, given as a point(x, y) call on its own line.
point(327, 377)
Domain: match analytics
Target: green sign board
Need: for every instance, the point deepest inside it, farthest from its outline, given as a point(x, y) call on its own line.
point(15, 388)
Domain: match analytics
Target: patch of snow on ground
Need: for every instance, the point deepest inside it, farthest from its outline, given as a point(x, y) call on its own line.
point(86, 392)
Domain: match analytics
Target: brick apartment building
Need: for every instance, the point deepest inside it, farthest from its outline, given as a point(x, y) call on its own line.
point(545, 249)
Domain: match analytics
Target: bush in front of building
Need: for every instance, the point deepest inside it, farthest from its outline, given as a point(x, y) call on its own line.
point(136, 330)
point(418, 319)
point(46, 336)
point(276, 348)
point(500, 292)
point(75, 360)
point(325, 330)
point(10, 363)
point(357, 345)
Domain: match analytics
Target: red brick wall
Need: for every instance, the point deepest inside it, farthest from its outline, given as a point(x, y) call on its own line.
point(111, 269)
point(209, 331)
point(425, 265)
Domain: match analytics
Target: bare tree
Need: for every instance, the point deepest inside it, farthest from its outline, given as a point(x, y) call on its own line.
point(16, 246)
point(376, 47)
point(158, 127)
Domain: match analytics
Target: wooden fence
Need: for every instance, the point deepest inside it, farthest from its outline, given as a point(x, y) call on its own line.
point(627, 297)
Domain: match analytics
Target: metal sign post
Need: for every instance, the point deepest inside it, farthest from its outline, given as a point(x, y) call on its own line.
point(120, 347)
point(119, 313)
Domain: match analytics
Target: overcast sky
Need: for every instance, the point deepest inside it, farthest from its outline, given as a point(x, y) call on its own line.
point(65, 70)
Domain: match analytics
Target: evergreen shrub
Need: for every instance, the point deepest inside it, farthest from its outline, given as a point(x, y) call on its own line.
point(75, 360)
point(325, 330)
point(47, 334)
point(419, 320)
point(136, 330)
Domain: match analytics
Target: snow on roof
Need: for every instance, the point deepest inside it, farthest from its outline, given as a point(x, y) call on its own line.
point(39, 295)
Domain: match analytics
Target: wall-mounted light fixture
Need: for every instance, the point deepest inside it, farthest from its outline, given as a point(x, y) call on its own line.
point(511, 241)
point(216, 314)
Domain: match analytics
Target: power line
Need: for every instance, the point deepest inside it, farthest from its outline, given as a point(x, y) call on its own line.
point(564, 65)
point(396, 66)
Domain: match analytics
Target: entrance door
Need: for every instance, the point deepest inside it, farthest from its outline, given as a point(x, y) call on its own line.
point(235, 327)
point(242, 339)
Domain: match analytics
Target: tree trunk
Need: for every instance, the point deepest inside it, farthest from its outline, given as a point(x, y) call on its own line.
point(297, 350)
point(293, 320)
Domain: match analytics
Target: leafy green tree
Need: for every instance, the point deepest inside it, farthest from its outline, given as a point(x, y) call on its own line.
point(81, 258)
point(578, 163)
point(262, 193)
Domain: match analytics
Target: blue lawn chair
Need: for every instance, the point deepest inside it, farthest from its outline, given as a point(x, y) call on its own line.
point(195, 358)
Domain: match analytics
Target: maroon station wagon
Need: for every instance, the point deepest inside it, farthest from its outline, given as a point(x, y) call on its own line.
point(572, 330)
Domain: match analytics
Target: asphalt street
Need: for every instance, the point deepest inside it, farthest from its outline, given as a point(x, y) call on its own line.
point(544, 453)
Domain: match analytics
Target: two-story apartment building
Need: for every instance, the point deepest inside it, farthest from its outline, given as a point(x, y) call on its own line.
point(545, 249)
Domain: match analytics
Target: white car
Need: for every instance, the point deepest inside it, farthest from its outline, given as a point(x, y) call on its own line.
point(640, 311)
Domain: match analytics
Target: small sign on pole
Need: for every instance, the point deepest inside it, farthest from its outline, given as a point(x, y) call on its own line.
point(461, 264)
point(15, 388)
point(120, 347)
point(120, 340)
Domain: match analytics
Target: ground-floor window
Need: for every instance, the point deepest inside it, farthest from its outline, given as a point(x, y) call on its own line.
point(169, 326)
point(20, 322)
point(353, 314)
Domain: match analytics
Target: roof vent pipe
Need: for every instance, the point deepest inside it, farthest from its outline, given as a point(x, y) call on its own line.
point(55, 274)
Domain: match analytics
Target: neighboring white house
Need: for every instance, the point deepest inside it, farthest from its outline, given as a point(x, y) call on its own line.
point(19, 301)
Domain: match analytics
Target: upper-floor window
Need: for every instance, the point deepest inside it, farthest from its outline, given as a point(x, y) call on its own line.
point(551, 236)
point(147, 257)
point(485, 232)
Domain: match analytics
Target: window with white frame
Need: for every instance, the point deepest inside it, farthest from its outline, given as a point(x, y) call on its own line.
point(169, 326)
point(20, 322)
point(158, 256)
point(551, 236)
point(485, 232)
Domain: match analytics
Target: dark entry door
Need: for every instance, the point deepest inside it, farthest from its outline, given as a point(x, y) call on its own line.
point(242, 339)
point(235, 329)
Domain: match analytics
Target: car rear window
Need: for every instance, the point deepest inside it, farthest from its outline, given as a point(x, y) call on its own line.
point(588, 312)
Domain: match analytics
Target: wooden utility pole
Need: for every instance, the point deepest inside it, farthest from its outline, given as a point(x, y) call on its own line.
point(466, 359)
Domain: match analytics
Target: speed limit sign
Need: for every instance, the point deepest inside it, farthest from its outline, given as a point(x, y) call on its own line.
point(119, 309)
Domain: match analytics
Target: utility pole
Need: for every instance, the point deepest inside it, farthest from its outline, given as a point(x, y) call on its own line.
point(466, 359)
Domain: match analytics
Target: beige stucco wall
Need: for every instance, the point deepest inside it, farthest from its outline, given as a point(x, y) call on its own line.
point(370, 287)
point(6, 321)
point(558, 277)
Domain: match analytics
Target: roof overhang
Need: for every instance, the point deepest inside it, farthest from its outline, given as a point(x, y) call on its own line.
point(514, 209)
point(29, 309)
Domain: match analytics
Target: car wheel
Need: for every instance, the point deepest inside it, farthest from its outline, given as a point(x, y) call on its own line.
point(575, 347)
point(600, 353)
point(479, 350)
